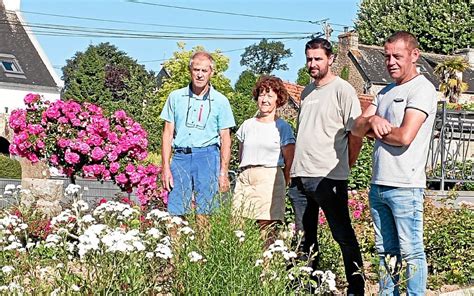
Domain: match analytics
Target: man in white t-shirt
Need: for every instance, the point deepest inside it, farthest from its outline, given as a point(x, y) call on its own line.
point(401, 120)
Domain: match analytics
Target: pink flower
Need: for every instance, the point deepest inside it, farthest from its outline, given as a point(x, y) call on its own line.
point(33, 158)
point(112, 137)
point(71, 157)
point(357, 214)
point(63, 143)
point(17, 119)
point(35, 129)
point(120, 114)
point(135, 178)
point(40, 144)
point(112, 156)
point(114, 167)
point(97, 153)
point(121, 179)
point(322, 218)
point(83, 147)
point(54, 159)
point(75, 122)
point(63, 120)
point(95, 140)
point(31, 98)
point(52, 112)
point(98, 169)
point(93, 108)
point(88, 171)
point(130, 168)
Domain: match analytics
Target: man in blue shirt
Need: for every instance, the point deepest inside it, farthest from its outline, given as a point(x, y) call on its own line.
point(197, 121)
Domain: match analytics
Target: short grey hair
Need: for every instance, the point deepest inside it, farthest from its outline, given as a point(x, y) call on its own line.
point(201, 54)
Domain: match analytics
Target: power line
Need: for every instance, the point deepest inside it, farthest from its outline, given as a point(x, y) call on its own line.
point(236, 14)
point(113, 30)
point(150, 24)
point(224, 12)
point(76, 31)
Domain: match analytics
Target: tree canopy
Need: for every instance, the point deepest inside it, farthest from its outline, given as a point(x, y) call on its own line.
point(108, 77)
point(245, 83)
point(303, 76)
point(441, 26)
point(265, 57)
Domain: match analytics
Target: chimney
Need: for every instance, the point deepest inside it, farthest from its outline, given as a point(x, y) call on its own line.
point(468, 54)
point(11, 4)
point(347, 41)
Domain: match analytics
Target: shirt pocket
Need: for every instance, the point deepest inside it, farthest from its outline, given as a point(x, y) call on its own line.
point(397, 111)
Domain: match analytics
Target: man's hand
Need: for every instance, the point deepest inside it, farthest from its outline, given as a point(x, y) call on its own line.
point(380, 126)
point(224, 184)
point(167, 179)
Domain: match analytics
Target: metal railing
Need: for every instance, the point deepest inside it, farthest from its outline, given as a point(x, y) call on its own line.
point(450, 155)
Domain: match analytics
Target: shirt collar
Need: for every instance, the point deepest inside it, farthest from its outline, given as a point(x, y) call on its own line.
point(207, 95)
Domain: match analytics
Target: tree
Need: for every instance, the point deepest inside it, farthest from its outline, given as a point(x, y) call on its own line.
point(108, 77)
point(265, 57)
point(449, 72)
point(245, 83)
point(303, 76)
point(440, 26)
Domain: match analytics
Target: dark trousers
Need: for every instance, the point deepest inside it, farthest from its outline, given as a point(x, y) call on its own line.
point(307, 195)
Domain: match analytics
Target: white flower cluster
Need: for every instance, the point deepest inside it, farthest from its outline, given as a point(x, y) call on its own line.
point(240, 235)
point(195, 257)
point(11, 189)
point(72, 190)
point(327, 281)
point(13, 288)
point(279, 247)
point(11, 227)
point(115, 210)
point(80, 206)
point(65, 218)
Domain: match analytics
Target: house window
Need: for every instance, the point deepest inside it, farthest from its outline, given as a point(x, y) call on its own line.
point(421, 69)
point(10, 65)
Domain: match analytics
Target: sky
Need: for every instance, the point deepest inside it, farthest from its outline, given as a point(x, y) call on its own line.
point(57, 21)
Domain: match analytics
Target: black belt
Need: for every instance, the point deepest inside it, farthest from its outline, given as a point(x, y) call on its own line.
point(185, 150)
point(189, 150)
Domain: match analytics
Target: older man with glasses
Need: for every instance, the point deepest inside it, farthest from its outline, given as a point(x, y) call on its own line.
point(197, 122)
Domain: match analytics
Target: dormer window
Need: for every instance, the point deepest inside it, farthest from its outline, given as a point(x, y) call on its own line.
point(10, 66)
point(421, 69)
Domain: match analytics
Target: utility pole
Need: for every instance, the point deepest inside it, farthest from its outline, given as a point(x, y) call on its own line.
point(327, 30)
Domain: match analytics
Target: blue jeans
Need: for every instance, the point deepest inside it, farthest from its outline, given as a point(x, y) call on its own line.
point(195, 172)
point(307, 195)
point(398, 221)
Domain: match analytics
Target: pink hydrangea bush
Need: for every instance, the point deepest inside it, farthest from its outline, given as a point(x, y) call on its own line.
point(80, 140)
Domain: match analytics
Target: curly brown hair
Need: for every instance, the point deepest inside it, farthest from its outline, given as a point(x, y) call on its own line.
point(267, 83)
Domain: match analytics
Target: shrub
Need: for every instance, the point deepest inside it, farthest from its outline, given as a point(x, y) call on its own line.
point(448, 244)
point(361, 172)
point(80, 140)
point(9, 168)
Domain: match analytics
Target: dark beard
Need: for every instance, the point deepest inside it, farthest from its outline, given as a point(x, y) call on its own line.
point(320, 74)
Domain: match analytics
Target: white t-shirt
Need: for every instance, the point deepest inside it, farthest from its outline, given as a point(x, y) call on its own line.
point(404, 166)
point(262, 142)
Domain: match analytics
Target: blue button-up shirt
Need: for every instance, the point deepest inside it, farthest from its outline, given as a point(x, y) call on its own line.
point(197, 120)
